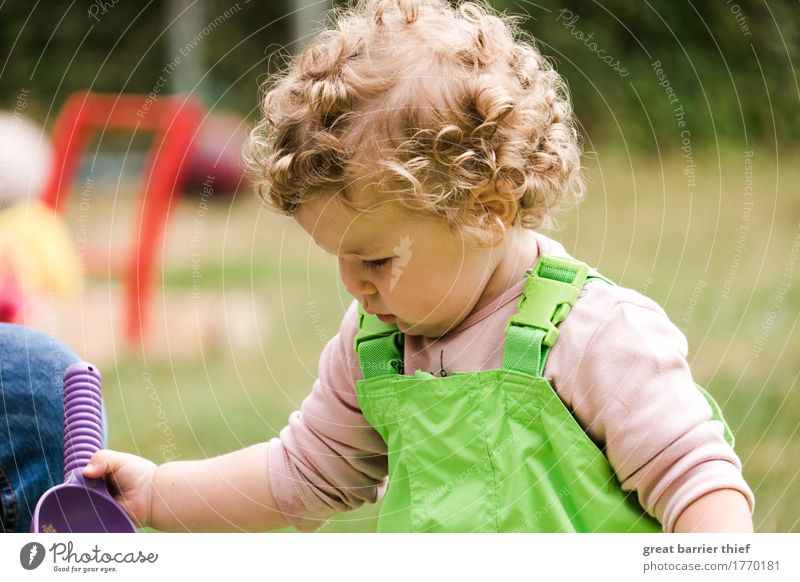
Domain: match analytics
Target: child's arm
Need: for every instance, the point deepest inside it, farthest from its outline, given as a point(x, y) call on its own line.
point(723, 510)
point(296, 471)
point(226, 493)
point(633, 388)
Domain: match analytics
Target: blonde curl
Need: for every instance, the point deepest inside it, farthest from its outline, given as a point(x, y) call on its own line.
point(432, 103)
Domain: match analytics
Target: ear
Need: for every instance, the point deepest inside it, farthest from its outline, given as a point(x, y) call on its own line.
point(498, 204)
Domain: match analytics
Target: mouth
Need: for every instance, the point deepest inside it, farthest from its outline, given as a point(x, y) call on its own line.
point(384, 317)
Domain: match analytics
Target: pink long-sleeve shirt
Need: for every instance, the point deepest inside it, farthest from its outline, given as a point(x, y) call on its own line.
point(619, 364)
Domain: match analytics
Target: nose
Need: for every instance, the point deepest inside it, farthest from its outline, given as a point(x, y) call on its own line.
point(356, 280)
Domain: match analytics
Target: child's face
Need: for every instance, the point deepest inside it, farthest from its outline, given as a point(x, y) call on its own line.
point(411, 267)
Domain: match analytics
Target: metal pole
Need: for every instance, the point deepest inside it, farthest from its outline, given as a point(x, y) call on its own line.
point(185, 19)
point(307, 20)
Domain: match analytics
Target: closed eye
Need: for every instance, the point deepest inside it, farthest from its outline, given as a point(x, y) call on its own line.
point(374, 265)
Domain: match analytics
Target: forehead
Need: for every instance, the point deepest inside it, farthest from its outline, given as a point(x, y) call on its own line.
point(342, 230)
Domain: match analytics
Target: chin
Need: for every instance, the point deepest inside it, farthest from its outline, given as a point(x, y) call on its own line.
point(410, 329)
point(421, 329)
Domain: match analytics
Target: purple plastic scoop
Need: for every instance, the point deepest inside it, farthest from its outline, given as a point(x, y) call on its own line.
point(81, 505)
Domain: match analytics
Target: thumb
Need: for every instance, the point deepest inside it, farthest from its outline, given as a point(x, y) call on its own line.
point(102, 462)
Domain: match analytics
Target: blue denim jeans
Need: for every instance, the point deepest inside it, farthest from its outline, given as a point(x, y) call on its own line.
point(31, 421)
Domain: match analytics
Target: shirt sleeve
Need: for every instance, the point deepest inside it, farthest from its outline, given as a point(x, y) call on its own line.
point(328, 459)
point(632, 390)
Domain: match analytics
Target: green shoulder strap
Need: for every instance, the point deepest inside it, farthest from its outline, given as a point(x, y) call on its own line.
point(379, 346)
point(550, 292)
point(548, 296)
point(555, 283)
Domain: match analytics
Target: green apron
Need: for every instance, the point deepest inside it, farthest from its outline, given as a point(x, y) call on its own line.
point(493, 450)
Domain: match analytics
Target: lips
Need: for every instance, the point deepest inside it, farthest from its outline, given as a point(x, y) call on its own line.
point(384, 317)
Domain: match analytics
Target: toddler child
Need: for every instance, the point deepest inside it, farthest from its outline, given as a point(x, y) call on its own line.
point(499, 384)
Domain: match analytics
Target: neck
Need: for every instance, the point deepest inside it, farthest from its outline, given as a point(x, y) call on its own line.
point(518, 252)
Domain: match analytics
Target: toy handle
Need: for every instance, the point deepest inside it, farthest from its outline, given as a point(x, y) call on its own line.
point(83, 415)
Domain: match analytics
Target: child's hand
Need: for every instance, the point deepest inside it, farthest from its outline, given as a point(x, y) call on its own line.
point(130, 478)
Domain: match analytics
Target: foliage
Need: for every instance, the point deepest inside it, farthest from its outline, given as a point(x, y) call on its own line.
point(731, 64)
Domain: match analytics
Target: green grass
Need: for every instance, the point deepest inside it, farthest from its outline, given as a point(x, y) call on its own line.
point(641, 225)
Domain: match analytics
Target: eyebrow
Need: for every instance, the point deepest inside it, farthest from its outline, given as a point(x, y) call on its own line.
point(358, 250)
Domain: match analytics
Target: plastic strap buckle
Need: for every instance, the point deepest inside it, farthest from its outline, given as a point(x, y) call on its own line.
point(370, 328)
point(548, 297)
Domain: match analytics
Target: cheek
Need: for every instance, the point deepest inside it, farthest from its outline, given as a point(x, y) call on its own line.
point(458, 272)
point(405, 284)
point(394, 281)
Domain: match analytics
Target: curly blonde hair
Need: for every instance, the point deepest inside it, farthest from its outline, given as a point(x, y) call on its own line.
point(431, 103)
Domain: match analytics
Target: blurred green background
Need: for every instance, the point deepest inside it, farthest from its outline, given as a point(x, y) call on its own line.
point(707, 222)
point(732, 64)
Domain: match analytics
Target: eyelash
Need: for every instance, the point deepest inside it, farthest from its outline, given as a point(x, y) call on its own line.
point(373, 265)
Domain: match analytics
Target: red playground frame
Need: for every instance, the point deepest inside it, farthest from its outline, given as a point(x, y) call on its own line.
point(175, 120)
